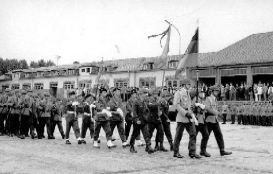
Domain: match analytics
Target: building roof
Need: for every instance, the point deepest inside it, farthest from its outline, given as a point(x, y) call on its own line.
point(256, 48)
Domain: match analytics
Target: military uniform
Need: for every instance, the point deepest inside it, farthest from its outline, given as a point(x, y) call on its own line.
point(72, 121)
point(117, 119)
point(102, 118)
point(182, 101)
point(2, 114)
point(164, 110)
point(224, 112)
point(56, 119)
point(212, 120)
point(140, 114)
point(13, 115)
point(44, 117)
point(87, 121)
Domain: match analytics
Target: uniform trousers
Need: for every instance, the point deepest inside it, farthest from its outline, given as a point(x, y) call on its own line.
point(121, 131)
point(87, 123)
point(145, 132)
point(44, 121)
point(128, 126)
point(190, 127)
point(215, 127)
point(106, 127)
point(12, 123)
point(60, 127)
point(3, 117)
point(167, 130)
point(203, 129)
point(71, 121)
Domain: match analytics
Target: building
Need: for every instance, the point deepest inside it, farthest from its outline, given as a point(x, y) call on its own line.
point(249, 60)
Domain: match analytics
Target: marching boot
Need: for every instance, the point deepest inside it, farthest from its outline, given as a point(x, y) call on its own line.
point(205, 153)
point(125, 144)
point(177, 155)
point(223, 153)
point(195, 156)
point(156, 147)
point(149, 149)
point(110, 144)
point(63, 136)
point(83, 141)
point(162, 148)
point(96, 145)
point(132, 149)
point(171, 146)
point(67, 142)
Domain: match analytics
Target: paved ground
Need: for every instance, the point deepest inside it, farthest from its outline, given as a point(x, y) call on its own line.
point(252, 148)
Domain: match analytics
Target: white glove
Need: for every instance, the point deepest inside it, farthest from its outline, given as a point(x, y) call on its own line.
point(200, 105)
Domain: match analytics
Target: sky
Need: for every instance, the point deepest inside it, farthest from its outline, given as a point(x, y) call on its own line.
point(87, 30)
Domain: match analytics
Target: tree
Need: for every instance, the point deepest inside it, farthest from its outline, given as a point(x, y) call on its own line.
point(33, 64)
point(50, 63)
point(41, 63)
point(76, 62)
point(23, 64)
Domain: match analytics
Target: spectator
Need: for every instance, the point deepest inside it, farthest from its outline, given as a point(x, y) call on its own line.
point(270, 93)
point(259, 91)
point(232, 92)
point(227, 92)
point(265, 89)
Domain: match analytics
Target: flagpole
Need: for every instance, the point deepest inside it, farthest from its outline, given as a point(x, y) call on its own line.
point(197, 70)
point(178, 34)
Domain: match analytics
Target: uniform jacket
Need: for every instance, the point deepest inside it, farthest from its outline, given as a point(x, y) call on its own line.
point(101, 105)
point(164, 108)
point(140, 111)
point(182, 102)
point(200, 114)
point(154, 112)
point(211, 109)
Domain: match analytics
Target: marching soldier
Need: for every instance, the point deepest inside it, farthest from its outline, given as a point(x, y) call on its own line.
point(56, 118)
point(184, 120)
point(87, 118)
point(4, 112)
point(72, 119)
point(139, 117)
point(117, 119)
point(154, 120)
point(12, 117)
point(164, 110)
point(129, 116)
point(102, 118)
point(212, 120)
point(202, 126)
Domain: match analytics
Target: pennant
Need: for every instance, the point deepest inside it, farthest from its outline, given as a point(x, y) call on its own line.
point(167, 44)
point(161, 34)
point(189, 55)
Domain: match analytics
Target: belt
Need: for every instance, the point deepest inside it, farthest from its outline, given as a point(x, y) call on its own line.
point(86, 114)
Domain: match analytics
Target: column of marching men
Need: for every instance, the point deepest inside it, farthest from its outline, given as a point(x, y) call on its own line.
point(23, 112)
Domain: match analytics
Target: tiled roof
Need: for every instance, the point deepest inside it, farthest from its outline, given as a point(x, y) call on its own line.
point(256, 48)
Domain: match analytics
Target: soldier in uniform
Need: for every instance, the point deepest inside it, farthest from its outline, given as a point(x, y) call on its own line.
point(202, 126)
point(44, 116)
point(4, 112)
point(164, 110)
point(102, 117)
point(117, 119)
point(224, 112)
point(129, 116)
point(212, 120)
point(184, 120)
point(2, 118)
point(12, 117)
point(139, 117)
point(87, 118)
point(56, 118)
point(72, 119)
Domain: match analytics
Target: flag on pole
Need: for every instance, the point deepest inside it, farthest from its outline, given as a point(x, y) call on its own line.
point(189, 54)
point(163, 34)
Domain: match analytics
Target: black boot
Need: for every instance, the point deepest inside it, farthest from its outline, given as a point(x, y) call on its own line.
point(156, 147)
point(195, 156)
point(162, 148)
point(204, 153)
point(149, 149)
point(171, 146)
point(132, 149)
point(223, 153)
point(177, 155)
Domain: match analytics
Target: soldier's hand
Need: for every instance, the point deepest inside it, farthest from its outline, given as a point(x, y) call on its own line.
point(138, 122)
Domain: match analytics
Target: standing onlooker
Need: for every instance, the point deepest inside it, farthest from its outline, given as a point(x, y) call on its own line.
point(232, 92)
point(259, 91)
point(222, 92)
point(270, 92)
point(255, 90)
point(227, 92)
point(265, 89)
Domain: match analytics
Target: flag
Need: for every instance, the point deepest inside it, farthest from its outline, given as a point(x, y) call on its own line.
point(166, 32)
point(99, 73)
point(117, 48)
point(167, 44)
point(190, 55)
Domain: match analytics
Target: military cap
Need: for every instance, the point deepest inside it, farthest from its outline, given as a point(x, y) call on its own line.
point(133, 91)
point(214, 88)
point(7, 90)
point(142, 91)
point(115, 89)
point(185, 81)
point(102, 89)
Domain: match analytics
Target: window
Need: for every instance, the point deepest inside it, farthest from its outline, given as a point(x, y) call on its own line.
point(148, 82)
point(15, 86)
point(173, 64)
point(88, 70)
point(174, 83)
point(83, 70)
point(69, 85)
point(26, 86)
point(38, 86)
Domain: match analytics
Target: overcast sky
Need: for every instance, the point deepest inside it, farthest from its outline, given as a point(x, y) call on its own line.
point(86, 30)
